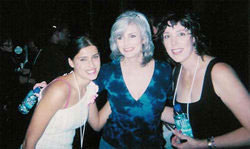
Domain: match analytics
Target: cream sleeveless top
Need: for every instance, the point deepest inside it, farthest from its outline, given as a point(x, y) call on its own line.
point(60, 132)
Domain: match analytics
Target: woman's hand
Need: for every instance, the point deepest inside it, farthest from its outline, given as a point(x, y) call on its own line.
point(181, 141)
point(41, 85)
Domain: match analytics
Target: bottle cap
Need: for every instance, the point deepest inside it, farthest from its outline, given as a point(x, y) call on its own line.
point(177, 107)
point(36, 90)
point(18, 50)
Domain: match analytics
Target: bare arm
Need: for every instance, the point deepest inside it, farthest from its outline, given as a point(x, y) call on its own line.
point(98, 119)
point(54, 99)
point(234, 95)
point(168, 115)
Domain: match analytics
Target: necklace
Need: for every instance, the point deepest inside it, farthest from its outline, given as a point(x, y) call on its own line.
point(190, 91)
point(79, 97)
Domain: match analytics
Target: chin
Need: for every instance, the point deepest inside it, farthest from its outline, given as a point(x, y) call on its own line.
point(92, 77)
point(177, 59)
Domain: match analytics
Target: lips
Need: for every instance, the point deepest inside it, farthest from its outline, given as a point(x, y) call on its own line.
point(128, 49)
point(176, 51)
point(92, 71)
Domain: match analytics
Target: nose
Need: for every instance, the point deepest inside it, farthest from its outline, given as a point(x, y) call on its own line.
point(173, 40)
point(125, 40)
point(91, 63)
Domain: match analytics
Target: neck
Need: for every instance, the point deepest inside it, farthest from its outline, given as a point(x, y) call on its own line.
point(191, 64)
point(133, 61)
point(81, 83)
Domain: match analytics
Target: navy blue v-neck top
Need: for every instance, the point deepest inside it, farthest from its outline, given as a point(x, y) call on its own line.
point(134, 123)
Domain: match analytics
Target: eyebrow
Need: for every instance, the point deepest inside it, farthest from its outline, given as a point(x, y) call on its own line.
point(97, 53)
point(82, 57)
point(180, 30)
point(135, 32)
point(186, 30)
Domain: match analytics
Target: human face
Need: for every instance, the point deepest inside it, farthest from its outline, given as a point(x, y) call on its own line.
point(64, 36)
point(7, 46)
point(86, 63)
point(130, 42)
point(178, 42)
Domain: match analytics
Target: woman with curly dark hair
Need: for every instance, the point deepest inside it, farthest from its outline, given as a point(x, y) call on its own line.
point(207, 90)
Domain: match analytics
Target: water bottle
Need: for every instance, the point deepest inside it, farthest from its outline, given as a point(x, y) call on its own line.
point(29, 101)
point(182, 122)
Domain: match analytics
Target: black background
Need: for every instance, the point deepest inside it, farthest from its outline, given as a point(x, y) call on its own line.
point(224, 22)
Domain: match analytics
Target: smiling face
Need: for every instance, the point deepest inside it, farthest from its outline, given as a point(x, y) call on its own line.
point(178, 42)
point(86, 63)
point(130, 42)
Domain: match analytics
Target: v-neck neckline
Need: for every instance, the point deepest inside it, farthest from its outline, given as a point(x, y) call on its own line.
point(145, 91)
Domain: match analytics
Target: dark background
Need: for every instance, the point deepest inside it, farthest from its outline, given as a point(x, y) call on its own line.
point(224, 22)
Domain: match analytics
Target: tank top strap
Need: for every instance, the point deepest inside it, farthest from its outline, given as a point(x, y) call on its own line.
point(211, 64)
point(208, 84)
point(67, 101)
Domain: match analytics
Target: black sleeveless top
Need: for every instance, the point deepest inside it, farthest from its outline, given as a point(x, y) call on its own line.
point(209, 116)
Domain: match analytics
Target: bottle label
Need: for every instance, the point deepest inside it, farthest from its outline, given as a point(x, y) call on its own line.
point(27, 103)
point(23, 109)
point(182, 123)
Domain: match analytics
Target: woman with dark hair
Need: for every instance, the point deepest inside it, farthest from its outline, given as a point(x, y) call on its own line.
point(208, 90)
point(64, 102)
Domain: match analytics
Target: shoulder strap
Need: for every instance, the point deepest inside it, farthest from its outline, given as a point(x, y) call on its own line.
point(67, 101)
point(208, 78)
point(210, 66)
point(175, 74)
point(212, 63)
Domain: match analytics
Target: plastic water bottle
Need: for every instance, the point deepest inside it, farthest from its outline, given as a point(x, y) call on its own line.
point(29, 101)
point(182, 122)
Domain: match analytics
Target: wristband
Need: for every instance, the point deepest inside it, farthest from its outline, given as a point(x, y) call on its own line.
point(210, 143)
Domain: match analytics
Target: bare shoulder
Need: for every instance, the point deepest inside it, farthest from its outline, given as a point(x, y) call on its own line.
point(222, 71)
point(226, 83)
point(56, 92)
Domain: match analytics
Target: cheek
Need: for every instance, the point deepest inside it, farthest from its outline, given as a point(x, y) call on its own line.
point(190, 42)
point(79, 66)
point(166, 45)
point(169, 52)
point(119, 43)
point(136, 41)
point(97, 62)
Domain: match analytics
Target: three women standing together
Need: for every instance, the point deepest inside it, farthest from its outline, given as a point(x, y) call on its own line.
point(138, 87)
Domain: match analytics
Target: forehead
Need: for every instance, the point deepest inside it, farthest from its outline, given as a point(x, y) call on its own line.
point(132, 28)
point(176, 28)
point(89, 50)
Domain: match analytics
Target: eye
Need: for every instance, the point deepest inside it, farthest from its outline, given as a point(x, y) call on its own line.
point(166, 36)
point(119, 38)
point(132, 35)
point(181, 34)
point(96, 56)
point(83, 59)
